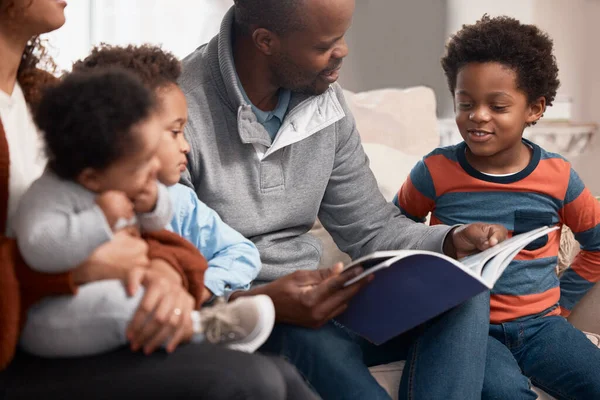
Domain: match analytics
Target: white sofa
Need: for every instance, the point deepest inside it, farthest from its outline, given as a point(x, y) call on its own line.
point(397, 128)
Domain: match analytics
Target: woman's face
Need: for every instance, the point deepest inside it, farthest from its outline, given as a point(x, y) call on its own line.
point(32, 17)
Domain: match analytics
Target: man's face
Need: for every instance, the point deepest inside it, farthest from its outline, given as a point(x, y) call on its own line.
point(309, 60)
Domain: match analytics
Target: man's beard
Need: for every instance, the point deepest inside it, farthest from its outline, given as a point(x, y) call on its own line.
point(290, 76)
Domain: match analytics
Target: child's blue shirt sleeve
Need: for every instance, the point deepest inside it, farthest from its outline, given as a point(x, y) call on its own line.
point(233, 260)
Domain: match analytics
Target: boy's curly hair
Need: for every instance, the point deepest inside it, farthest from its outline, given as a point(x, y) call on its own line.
point(155, 67)
point(524, 48)
point(88, 119)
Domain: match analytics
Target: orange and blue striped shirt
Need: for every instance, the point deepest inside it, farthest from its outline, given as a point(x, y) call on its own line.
point(547, 192)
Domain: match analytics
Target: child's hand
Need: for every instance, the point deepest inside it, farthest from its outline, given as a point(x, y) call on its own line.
point(146, 200)
point(115, 205)
point(206, 295)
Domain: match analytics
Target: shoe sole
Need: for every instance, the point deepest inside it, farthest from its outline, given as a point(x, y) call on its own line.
point(262, 330)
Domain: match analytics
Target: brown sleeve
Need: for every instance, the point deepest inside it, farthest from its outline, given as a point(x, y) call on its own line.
point(181, 255)
point(20, 288)
point(158, 250)
point(37, 285)
point(10, 304)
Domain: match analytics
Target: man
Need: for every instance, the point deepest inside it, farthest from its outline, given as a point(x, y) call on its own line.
point(273, 146)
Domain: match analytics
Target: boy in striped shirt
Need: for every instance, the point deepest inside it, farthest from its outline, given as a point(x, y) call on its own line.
point(502, 75)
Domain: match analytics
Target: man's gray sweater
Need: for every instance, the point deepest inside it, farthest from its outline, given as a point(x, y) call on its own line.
point(273, 191)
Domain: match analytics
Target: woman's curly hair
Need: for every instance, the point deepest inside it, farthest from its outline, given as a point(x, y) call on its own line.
point(37, 68)
point(524, 48)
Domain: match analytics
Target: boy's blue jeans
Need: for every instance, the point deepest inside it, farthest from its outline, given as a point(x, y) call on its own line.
point(445, 358)
point(549, 351)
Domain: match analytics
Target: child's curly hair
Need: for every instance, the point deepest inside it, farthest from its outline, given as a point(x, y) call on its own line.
point(524, 48)
point(155, 67)
point(88, 119)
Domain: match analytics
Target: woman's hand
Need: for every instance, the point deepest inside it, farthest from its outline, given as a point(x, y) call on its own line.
point(164, 313)
point(164, 268)
point(114, 259)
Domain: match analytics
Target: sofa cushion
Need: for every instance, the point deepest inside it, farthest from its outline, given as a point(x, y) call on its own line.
point(403, 119)
point(390, 167)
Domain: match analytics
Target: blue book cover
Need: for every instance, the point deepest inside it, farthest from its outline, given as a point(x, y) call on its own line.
point(407, 293)
point(412, 286)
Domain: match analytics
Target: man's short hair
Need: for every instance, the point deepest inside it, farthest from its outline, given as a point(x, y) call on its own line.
point(279, 16)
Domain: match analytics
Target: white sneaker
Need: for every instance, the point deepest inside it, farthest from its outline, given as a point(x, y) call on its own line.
point(243, 324)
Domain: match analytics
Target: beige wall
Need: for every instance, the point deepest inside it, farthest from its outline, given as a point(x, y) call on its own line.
point(565, 23)
point(588, 164)
point(399, 42)
point(574, 27)
point(396, 43)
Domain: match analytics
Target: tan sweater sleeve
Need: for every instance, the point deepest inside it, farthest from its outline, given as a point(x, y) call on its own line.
point(183, 256)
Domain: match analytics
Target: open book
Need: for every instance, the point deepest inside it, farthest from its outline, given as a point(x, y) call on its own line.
point(413, 286)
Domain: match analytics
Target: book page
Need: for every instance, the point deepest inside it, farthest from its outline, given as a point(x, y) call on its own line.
point(371, 268)
point(477, 261)
point(374, 259)
point(494, 268)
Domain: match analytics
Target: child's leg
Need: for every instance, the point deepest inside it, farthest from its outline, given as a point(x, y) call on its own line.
point(560, 359)
point(92, 322)
point(503, 376)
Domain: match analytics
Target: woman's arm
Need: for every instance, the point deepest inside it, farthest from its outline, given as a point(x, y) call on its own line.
point(112, 260)
point(125, 258)
point(164, 314)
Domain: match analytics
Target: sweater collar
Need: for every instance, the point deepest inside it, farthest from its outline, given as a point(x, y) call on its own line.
point(306, 114)
point(469, 169)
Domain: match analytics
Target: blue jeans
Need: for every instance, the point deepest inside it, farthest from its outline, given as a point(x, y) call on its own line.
point(445, 358)
point(550, 352)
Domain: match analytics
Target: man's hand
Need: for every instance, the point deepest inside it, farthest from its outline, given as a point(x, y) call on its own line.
point(310, 298)
point(114, 205)
point(469, 239)
point(146, 200)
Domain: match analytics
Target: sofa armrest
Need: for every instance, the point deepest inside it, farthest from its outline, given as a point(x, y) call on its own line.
point(586, 314)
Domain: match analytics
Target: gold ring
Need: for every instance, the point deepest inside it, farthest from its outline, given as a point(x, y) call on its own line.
point(177, 311)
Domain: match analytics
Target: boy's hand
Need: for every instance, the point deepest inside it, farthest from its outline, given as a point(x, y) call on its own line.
point(115, 205)
point(146, 200)
point(468, 239)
